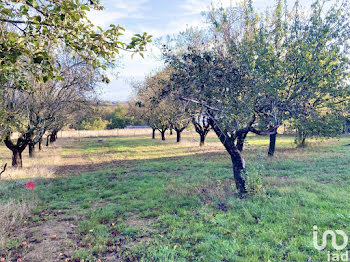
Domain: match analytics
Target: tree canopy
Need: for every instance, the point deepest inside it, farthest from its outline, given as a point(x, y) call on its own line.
point(29, 26)
point(269, 68)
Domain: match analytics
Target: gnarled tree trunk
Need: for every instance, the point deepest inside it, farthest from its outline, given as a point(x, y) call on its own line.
point(31, 147)
point(272, 145)
point(53, 137)
point(238, 163)
point(17, 158)
point(163, 134)
point(179, 131)
point(178, 136)
point(16, 149)
point(240, 141)
point(202, 139)
point(272, 132)
point(202, 129)
point(39, 144)
point(238, 169)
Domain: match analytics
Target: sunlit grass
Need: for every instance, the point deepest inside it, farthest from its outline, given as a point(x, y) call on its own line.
point(151, 200)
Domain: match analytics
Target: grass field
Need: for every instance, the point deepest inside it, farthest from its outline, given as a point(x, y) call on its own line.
point(134, 199)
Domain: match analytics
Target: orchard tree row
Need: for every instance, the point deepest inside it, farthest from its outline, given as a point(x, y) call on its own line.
point(163, 110)
point(250, 72)
point(51, 60)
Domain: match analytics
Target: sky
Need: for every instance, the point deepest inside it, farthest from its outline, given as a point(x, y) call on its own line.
point(158, 18)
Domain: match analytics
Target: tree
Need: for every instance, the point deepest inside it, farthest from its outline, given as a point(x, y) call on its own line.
point(299, 63)
point(218, 79)
point(212, 79)
point(326, 126)
point(178, 111)
point(251, 73)
point(25, 121)
point(149, 103)
point(28, 30)
point(47, 106)
point(28, 26)
point(93, 123)
point(119, 118)
point(202, 127)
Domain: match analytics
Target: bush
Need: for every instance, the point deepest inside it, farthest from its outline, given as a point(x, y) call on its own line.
point(325, 126)
point(92, 123)
point(119, 118)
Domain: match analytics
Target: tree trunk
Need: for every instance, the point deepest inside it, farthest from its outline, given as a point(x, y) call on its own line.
point(40, 141)
point(238, 163)
point(238, 170)
point(47, 140)
point(16, 149)
point(272, 145)
point(16, 158)
point(301, 138)
point(52, 137)
point(171, 131)
point(31, 148)
point(240, 142)
point(153, 133)
point(202, 139)
point(163, 135)
point(178, 136)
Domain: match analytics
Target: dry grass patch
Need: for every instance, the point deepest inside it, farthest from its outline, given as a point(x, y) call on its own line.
point(13, 214)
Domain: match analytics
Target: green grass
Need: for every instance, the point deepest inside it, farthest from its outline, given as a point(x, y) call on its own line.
point(185, 207)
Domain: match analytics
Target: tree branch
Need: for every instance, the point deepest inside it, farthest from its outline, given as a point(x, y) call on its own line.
point(3, 169)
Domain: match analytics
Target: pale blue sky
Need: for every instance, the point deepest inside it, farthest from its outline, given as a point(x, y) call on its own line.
point(158, 18)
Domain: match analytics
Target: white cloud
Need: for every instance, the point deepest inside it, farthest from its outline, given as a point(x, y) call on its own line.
point(131, 8)
point(197, 6)
point(104, 18)
point(121, 9)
